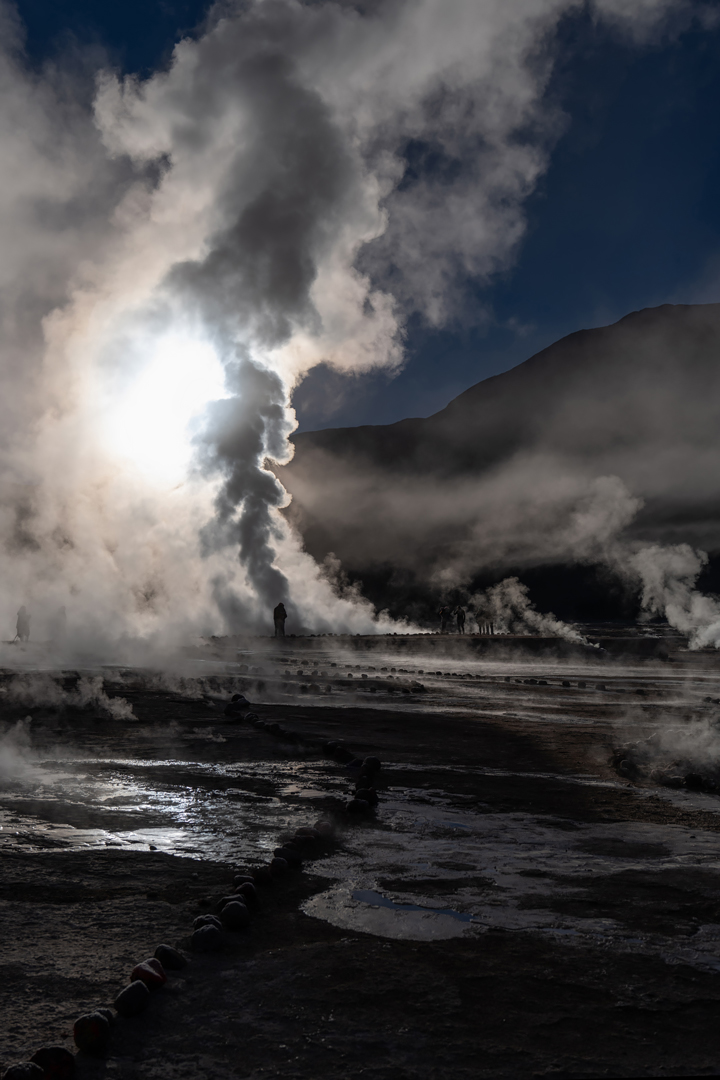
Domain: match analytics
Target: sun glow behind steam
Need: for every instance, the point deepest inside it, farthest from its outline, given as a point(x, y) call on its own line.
point(153, 421)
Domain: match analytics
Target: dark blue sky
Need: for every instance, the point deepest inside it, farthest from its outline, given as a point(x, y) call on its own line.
point(138, 35)
point(626, 217)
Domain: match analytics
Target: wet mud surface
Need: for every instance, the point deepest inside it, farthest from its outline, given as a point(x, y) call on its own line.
point(515, 907)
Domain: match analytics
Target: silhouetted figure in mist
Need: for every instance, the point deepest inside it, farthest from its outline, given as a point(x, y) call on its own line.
point(460, 616)
point(280, 615)
point(445, 615)
point(22, 630)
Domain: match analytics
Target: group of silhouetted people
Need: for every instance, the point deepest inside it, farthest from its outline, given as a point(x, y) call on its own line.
point(446, 616)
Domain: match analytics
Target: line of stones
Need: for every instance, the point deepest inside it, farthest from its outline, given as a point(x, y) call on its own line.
point(92, 1031)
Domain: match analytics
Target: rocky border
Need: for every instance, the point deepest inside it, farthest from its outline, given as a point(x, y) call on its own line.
point(92, 1032)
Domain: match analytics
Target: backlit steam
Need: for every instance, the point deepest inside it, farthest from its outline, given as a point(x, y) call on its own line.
point(507, 607)
point(178, 252)
point(151, 422)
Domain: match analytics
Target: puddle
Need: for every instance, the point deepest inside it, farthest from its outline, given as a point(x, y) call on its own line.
point(511, 871)
point(375, 899)
point(303, 792)
point(373, 913)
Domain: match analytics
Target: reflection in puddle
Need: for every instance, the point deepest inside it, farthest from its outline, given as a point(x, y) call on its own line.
point(371, 912)
point(375, 899)
point(303, 792)
point(175, 806)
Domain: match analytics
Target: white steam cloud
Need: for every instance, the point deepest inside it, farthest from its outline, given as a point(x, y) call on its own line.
point(16, 751)
point(39, 689)
point(178, 252)
point(665, 575)
point(508, 608)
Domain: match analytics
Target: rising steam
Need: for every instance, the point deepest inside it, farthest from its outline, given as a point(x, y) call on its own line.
point(244, 206)
point(507, 607)
point(665, 576)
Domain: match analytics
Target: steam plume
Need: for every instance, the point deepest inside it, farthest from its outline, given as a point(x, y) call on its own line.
point(245, 200)
point(508, 607)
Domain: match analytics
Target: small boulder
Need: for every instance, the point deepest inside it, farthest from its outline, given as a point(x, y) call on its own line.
point(368, 795)
point(151, 972)
point(358, 806)
point(291, 856)
point(249, 893)
point(133, 999)
point(91, 1033)
point(205, 920)
point(325, 829)
point(671, 780)
point(263, 875)
point(26, 1070)
point(170, 958)
point(236, 706)
point(235, 916)
point(231, 898)
point(278, 867)
point(372, 765)
point(56, 1062)
point(207, 938)
point(303, 844)
point(240, 879)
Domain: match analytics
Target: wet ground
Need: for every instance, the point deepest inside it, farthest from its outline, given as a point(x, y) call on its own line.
point(515, 908)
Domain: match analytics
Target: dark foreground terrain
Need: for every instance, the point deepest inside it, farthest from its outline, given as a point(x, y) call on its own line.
point(608, 980)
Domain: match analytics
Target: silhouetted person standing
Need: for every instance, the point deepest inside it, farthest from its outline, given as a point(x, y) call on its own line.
point(460, 616)
point(23, 624)
point(280, 615)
